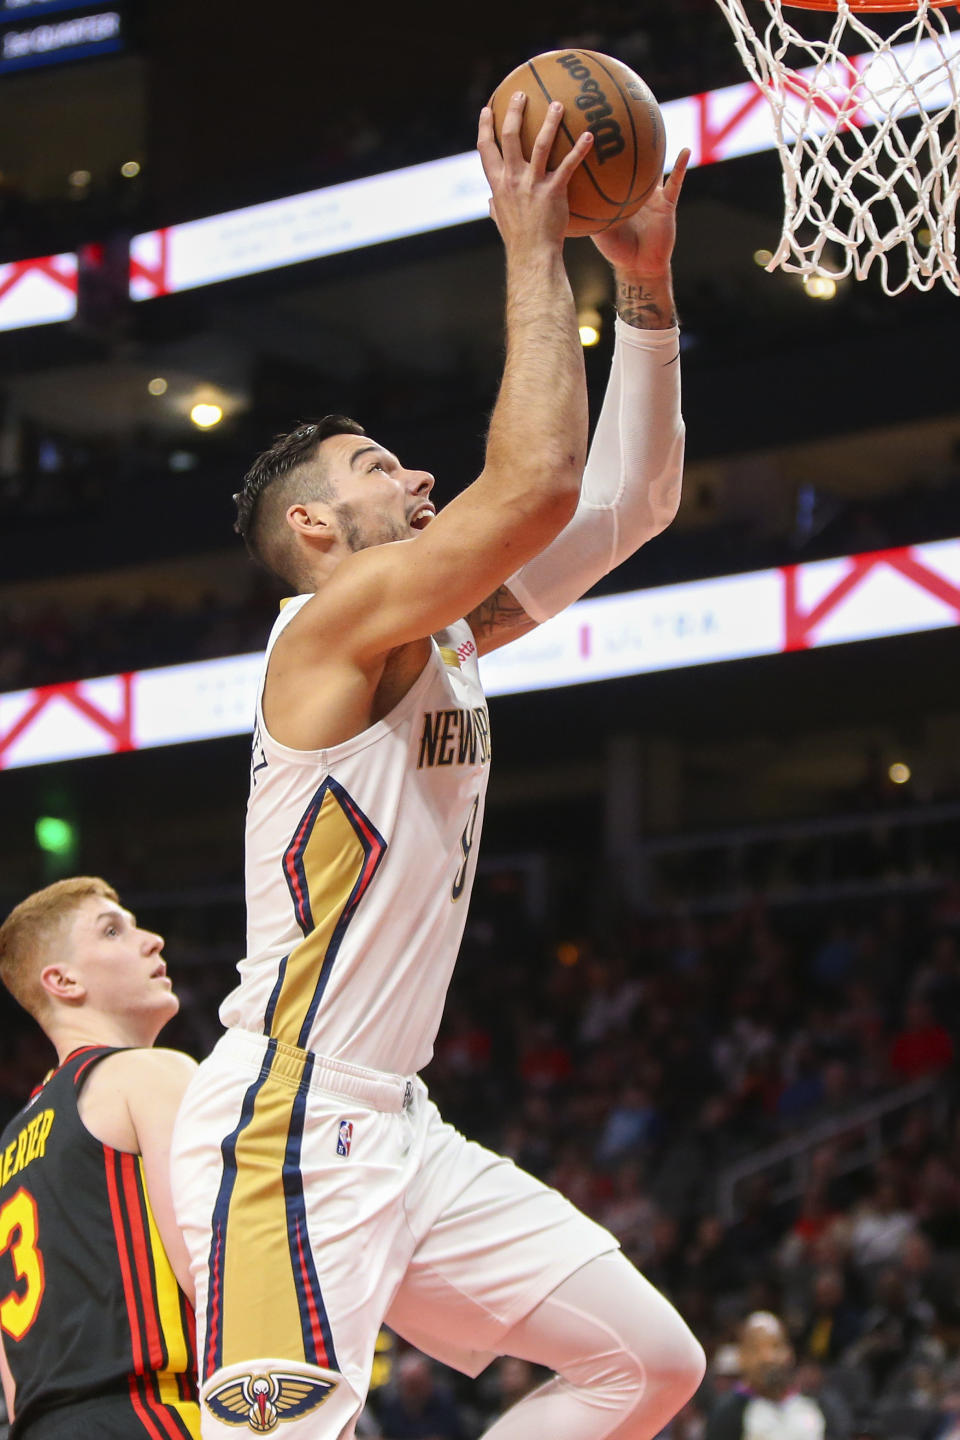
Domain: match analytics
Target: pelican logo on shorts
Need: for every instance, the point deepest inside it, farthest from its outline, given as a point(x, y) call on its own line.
point(265, 1401)
point(344, 1137)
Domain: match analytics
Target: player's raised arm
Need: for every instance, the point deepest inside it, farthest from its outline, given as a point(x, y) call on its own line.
point(631, 485)
point(373, 597)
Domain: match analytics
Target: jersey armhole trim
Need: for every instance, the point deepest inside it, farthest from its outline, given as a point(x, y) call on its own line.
point(83, 1077)
point(330, 754)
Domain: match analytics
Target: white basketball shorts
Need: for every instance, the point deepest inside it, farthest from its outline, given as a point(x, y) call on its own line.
point(317, 1200)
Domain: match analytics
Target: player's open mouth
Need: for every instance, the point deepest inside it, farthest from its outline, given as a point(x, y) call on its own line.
point(421, 518)
point(160, 973)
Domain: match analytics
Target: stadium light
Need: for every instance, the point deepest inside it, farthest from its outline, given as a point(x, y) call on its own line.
point(588, 319)
point(820, 287)
point(55, 836)
point(205, 416)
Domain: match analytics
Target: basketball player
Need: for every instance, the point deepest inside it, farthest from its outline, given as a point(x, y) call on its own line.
point(98, 1338)
point(318, 1189)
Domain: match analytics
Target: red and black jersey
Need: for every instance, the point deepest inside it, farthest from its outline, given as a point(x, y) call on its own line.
point(89, 1305)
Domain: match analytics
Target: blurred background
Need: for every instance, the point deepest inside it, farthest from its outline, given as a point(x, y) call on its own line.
point(710, 987)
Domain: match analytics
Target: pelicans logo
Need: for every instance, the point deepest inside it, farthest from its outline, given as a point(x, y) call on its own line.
point(264, 1401)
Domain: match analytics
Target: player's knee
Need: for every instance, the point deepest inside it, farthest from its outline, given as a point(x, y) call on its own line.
point(659, 1363)
point(659, 1366)
point(670, 1361)
point(680, 1363)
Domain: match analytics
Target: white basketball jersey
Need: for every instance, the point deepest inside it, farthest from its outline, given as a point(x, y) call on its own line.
point(359, 866)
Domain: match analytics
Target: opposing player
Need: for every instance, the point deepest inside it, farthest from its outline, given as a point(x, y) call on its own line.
point(98, 1336)
point(318, 1188)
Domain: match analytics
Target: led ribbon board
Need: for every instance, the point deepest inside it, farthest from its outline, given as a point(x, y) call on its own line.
point(20, 10)
point(36, 37)
point(38, 292)
point(765, 612)
point(716, 125)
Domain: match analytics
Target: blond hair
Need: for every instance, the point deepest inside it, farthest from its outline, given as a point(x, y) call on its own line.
point(31, 928)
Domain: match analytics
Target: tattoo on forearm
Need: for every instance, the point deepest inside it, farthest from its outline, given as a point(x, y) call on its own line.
point(645, 307)
point(500, 611)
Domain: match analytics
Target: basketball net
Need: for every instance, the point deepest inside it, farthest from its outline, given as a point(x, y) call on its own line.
point(867, 129)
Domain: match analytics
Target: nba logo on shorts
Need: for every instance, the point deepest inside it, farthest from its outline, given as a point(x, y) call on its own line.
point(344, 1137)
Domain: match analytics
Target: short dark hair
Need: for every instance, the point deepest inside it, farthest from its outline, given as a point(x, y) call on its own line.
point(256, 518)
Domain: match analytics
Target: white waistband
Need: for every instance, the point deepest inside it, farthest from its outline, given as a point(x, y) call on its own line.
point(376, 1088)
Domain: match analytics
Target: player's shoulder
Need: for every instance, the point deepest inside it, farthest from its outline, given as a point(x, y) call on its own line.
point(332, 620)
point(141, 1068)
point(128, 1084)
point(158, 1060)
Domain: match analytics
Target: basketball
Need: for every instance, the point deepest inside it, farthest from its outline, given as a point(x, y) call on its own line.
point(602, 95)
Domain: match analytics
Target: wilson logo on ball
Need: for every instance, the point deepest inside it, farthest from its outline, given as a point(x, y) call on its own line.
point(608, 137)
point(624, 166)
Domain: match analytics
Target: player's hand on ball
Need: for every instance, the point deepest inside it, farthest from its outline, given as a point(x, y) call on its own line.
point(529, 202)
point(643, 243)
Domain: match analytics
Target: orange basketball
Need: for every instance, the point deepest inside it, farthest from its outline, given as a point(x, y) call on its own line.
point(599, 94)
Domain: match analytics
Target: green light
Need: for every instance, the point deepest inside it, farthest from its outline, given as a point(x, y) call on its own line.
point(57, 837)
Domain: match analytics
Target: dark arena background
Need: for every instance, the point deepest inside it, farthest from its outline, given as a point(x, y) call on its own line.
point(710, 985)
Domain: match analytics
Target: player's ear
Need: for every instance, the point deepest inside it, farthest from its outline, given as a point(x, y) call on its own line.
point(310, 518)
point(58, 982)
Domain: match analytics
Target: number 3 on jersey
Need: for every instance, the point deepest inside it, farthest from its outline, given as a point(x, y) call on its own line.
point(466, 845)
point(18, 1234)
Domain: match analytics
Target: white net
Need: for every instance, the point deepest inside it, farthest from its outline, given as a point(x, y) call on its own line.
point(867, 117)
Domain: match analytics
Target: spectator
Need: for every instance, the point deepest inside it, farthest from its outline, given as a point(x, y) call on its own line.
point(724, 1371)
point(922, 1047)
point(838, 1418)
point(948, 1427)
point(766, 1404)
point(463, 1046)
point(834, 1322)
point(631, 1126)
point(709, 1260)
point(612, 1001)
point(508, 1380)
point(926, 1277)
point(893, 1328)
point(629, 1212)
point(544, 1061)
point(516, 1378)
point(664, 1267)
point(938, 1202)
point(880, 1227)
point(414, 1406)
point(833, 961)
point(758, 1228)
point(939, 982)
point(816, 1216)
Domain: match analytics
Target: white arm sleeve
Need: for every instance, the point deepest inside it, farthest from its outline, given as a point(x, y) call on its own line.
point(631, 483)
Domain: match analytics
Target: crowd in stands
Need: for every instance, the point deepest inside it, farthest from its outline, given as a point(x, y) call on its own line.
point(632, 1072)
point(54, 643)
